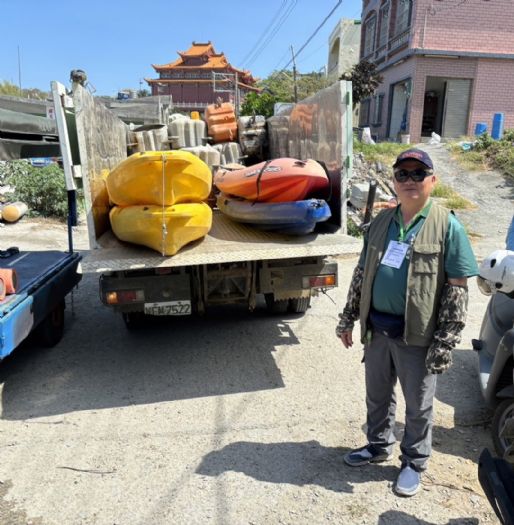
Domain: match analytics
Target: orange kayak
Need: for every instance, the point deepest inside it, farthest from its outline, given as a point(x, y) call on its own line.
point(278, 180)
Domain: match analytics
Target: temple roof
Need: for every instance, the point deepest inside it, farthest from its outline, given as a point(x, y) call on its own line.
point(197, 49)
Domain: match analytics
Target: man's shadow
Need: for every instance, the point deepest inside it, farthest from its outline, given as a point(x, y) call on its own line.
point(303, 463)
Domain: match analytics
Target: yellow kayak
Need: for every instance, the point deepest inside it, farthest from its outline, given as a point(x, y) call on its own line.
point(166, 229)
point(159, 177)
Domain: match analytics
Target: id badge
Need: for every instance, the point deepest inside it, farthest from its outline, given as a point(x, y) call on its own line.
point(395, 254)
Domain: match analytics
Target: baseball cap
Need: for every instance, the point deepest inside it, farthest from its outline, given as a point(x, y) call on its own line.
point(414, 154)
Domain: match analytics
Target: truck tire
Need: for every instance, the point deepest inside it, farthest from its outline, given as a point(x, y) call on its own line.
point(50, 330)
point(299, 305)
point(133, 320)
point(504, 411)
point(276, 306)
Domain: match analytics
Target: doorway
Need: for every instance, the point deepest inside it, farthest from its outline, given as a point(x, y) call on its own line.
point(446, 107)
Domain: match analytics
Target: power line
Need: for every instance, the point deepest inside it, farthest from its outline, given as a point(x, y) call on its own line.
point(268, 28)
point(281, 58)
point(312, 54)
point(315, 32)
point(280, 23)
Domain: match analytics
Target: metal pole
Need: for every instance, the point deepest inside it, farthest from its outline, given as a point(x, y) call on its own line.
point(295, 87)
point(369, 204)
point(19, 70)
point(236, 97)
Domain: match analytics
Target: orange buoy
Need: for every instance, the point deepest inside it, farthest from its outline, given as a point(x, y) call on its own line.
point(9, 279)
point(2, 289)
point(14, 211)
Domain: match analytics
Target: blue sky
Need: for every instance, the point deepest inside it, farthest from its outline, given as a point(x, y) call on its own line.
point(116, 42)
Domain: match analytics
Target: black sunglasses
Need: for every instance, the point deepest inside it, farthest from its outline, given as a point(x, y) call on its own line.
point(416, 175)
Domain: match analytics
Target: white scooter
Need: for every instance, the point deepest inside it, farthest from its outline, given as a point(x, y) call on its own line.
point(495, 348)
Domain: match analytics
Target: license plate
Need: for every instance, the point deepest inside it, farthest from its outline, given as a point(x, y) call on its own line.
point(168, 308)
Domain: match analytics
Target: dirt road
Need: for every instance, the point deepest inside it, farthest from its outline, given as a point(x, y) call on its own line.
point(235, 418)
point(490, 192)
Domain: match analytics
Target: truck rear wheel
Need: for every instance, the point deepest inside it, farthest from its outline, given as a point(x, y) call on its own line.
point(276, 306)
point(50, 331)
point(299, 305)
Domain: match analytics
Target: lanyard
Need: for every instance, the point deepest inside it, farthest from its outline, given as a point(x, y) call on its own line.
point(405, 230)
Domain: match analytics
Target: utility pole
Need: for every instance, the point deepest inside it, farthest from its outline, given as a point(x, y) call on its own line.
point(295, 86)
point(236, 96)
point(19, 71)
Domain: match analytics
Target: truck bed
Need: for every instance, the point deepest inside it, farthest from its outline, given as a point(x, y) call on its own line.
point(45, 278)
point(227, 241)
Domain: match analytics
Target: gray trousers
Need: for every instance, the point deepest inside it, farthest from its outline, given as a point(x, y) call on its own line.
point(387, 360)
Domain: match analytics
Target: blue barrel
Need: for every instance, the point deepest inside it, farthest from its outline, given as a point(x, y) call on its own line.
point(497, 131)
point(480, 128)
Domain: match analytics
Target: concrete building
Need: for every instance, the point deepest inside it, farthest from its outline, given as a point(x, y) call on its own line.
point(344, 48)
point(446, 65)
point(199, 77)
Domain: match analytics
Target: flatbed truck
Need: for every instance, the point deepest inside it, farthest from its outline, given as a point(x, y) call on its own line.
point(234, 263)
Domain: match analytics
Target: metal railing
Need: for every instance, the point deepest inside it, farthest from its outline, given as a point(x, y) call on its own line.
point(191, 104)
point(399, 40)
point(381, 53)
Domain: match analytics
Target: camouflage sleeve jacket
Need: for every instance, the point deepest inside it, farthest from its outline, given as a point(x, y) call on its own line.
point(450, 323)
point(351, 311)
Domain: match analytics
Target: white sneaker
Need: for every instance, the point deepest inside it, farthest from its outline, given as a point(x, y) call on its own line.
point(408, 482)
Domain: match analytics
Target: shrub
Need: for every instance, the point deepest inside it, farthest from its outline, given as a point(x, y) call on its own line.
point(484, 141)
point(508, 136)
point(12, 168)
point(385, 152)
point(353, 229)
point(42, 189)
point(490, 153)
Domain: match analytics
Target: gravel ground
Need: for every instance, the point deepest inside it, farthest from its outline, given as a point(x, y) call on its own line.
point(232, 419)
point(491, 193)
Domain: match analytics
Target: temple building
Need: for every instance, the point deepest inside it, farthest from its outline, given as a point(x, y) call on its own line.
point(200, 76)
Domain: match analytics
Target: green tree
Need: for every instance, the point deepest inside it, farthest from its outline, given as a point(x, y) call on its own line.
point(7, 88)
point(258, 104)
point(279, 87)
point(281, 84)
point(365, 80)
point(143, 93)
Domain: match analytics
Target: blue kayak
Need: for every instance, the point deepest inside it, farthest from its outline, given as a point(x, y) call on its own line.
point(293, 218)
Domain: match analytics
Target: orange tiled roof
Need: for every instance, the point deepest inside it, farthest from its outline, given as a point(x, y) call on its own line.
point(197, 49)
point(214, 61)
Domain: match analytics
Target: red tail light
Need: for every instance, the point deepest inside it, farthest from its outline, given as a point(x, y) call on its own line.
point(125, 296)
point(320, 281)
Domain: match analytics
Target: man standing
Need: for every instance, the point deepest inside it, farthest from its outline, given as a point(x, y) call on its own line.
point(409, 291)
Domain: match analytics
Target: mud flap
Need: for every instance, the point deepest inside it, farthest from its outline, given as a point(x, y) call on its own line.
point(496, 477)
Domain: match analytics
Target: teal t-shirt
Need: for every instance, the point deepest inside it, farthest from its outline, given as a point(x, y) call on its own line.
point(390, 284)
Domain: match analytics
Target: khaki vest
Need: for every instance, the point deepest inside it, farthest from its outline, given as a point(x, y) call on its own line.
point(425, 277)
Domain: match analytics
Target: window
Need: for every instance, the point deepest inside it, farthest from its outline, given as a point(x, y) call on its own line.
point(403, 15)
point(369, 35)
point(384, 24)
point(364, 113)
point(378, 103)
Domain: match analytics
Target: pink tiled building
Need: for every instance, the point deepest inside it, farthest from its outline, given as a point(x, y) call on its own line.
point(446, 65)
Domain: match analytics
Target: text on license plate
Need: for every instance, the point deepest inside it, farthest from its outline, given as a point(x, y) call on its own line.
point(168, 308)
